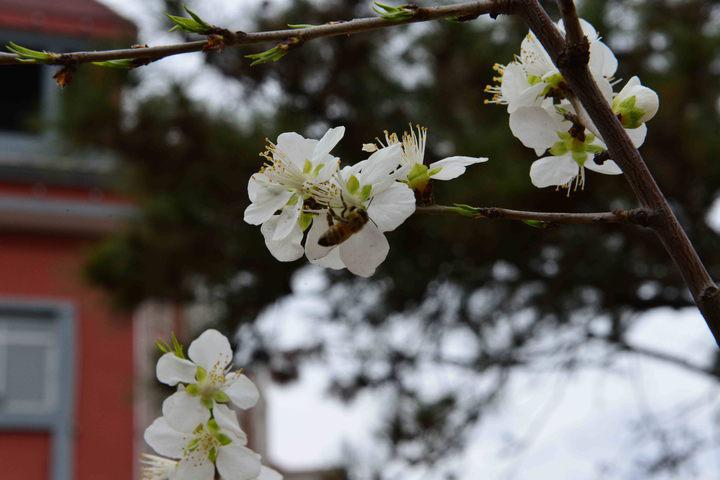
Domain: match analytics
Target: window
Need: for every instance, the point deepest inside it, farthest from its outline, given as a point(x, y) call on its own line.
point(20, 96)
point(37, 377)
point(29, 359)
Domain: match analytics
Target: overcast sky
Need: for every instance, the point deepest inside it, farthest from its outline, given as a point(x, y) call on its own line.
point(576, 427)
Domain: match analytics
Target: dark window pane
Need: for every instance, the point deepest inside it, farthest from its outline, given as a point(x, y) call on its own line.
point(20, 90)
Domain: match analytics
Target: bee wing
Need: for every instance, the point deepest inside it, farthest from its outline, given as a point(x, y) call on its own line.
point(313, 250)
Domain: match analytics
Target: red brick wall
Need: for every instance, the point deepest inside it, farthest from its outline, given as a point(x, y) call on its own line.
point(46, 267)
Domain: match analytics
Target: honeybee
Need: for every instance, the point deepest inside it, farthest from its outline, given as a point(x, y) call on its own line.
point(352, 220)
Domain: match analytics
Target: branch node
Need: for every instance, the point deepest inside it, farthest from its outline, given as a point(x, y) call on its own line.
point(575, 55)
point(500, 7)
point(710, 294)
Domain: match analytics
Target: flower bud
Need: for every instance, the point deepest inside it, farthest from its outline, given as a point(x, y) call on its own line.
point(635, 104)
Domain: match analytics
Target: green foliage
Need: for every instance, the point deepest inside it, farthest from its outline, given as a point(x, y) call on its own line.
point(194, 24)
point(393, 13)
point(27, 55)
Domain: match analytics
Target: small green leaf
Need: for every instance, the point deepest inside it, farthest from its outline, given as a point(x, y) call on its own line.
point(212, 454)
point(307, 167)
point(221, 397)
point(194, 24)
point(353, 184)
point(162, 346)
point(207, 403)
point(27, 55)
point(272, 55)
point(177, 347)
point(223, 439)
point(213, 426)
point(465, 210)
point(121, 64)
point(200, 374)
point(305, 220)
point(192, 389)
point(536, 223)
point(392, 13)
point(365, 192)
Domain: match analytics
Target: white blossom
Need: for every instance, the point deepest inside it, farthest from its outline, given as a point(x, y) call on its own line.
point(370, 196)
point(216, 443)
point(635, 104)
point(296, 169)
point(205, 380)
point(413, 169)
point(571, 149)
point(532, 76)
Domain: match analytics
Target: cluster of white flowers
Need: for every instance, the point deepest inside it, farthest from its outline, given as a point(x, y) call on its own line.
point(198, 432)
point(545, 117)
point(302, 186)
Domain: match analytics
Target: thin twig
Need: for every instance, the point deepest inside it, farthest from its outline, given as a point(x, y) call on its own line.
point(635, 217)
point(571, 21)
point(659, 355)
point(461, 11)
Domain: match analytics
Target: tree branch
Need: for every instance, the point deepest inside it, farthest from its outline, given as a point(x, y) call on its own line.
point(461, 11)
point(661, 356)
point(703, 289)
point(636, 217)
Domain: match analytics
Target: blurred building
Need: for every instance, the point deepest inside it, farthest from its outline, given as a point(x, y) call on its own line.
point(66, 362)
point(77, 380)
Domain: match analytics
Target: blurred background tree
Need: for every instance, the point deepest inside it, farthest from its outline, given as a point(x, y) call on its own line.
point(525, 296)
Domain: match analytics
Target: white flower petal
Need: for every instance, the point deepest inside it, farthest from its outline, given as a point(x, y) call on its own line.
point(211, 349)
point(553, 171)
point(637, 135)
point(164, 439)
point(235, 462)
point(330, 166)
point(184, 412)
point(243, 392)
point(287, 220)
point(602, 60)
point(327, 143)
point(534, 57)
point(605, 88)
point(313, 250)
point(228, 422)
point(267, 473)
point(391, 207)
point(364, 251)
point(587, 29)
point(530, 97)
point(453, 167)
point(608, 167)
point(268, 200)
point(536, 128)
point(378, 167)
point(331, 260)
point(295, 148)
point(286, 249)
point(172, 370)
point(255, 185)
point(196, 466)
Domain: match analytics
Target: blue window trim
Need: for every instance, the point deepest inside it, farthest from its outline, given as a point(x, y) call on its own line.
point(60, 424)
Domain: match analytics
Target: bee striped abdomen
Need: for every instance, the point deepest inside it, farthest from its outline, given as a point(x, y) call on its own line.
point(345, 227)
